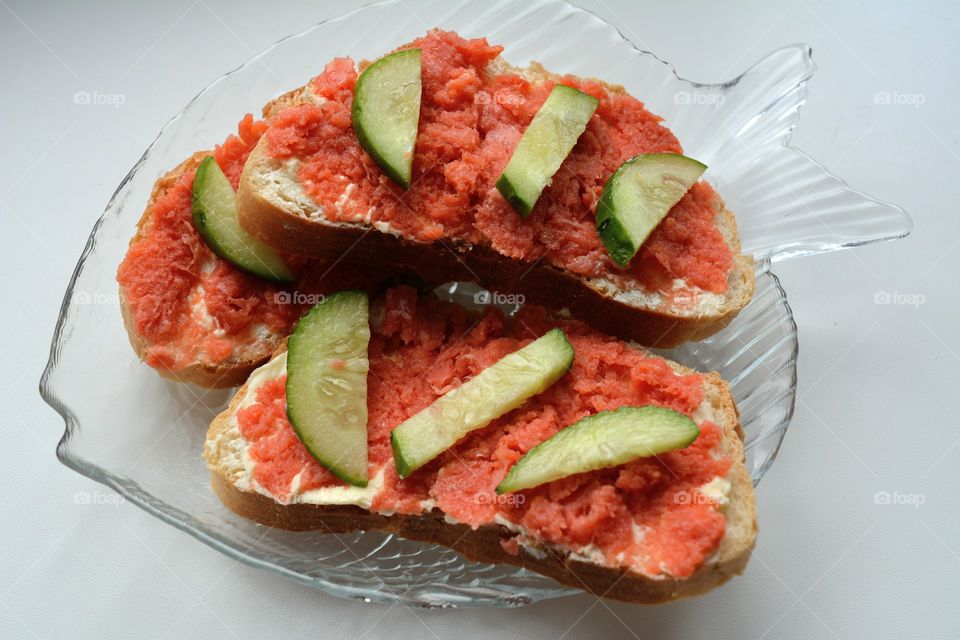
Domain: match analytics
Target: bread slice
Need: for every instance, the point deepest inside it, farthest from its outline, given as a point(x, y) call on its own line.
point(273, 205)
point(226, 453)
point(202, 371)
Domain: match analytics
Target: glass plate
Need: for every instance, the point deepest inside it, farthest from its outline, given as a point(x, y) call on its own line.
point(131, 430)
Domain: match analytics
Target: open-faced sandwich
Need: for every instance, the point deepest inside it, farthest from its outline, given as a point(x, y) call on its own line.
point(530, 440)
point(442, 158)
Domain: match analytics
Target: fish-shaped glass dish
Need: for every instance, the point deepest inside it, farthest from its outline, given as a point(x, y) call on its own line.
point(141, 435)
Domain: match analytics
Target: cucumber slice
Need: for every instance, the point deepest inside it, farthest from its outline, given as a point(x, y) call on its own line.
point(386, 112)
point(215, 217)
point(544, 145)
point(327, 383)
point(638, 196)
point(605, 439)
point(500, 388)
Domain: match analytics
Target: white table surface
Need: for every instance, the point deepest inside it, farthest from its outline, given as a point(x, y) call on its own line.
point(877, 382)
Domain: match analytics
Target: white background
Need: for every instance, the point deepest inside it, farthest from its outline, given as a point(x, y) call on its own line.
point(878, 383)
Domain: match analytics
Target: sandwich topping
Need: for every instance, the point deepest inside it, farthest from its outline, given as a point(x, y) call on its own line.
point(472, 116)
point(660, 515)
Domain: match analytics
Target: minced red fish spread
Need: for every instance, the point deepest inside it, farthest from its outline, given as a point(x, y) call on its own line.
point(638, 514)
point(470, 123)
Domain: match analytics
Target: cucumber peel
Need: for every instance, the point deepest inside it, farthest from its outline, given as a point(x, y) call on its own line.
point(498, 389)
point(546, 142)
point(386, 112)
point(605, 439)
point(638, 195)
point(327, 367)
point(215, 218)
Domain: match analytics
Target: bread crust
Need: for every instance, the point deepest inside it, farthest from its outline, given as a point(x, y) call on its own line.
point(212, 375)
point(483, 544)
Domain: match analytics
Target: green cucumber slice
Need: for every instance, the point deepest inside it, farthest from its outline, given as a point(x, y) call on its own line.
point(327, 368)
point(605, 439)
point(386, 112)
point(215, 218)
point(496, 390)
point(638, 196)
point(545, 144)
